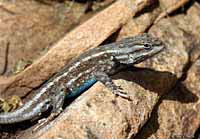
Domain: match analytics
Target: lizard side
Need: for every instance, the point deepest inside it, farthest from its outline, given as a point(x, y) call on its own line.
point(94, 65)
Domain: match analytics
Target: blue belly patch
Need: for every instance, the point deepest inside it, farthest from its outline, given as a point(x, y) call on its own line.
point(77, 91)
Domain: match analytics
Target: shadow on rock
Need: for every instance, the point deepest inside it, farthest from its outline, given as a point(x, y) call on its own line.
point(159, 82)
point(165, 84)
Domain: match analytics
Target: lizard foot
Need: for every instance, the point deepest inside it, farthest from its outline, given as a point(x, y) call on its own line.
point(120, 92)
point(44, 121)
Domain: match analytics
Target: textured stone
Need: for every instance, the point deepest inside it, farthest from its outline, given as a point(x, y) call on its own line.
point(177, 113)
point(25, 24)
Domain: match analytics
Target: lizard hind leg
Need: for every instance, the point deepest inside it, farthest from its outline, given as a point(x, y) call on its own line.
point(57, 103)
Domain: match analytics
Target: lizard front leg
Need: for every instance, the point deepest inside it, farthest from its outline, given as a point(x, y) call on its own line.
point(107, 81)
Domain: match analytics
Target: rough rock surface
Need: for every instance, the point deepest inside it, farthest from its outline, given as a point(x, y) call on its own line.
point(29, 26)
point(177, 113)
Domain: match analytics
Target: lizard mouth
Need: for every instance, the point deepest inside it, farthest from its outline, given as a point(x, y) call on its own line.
point(158, 49)
point(150, 54)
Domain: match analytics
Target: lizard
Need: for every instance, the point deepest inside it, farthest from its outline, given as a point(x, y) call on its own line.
point(96, 64)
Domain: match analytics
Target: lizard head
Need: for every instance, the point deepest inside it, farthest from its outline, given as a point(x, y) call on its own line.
point(136, 49)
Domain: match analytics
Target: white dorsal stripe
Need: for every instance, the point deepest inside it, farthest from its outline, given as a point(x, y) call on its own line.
point(79, 75)
point(123, 50)
point(122, 57)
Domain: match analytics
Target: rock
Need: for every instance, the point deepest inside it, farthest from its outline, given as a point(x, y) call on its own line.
point(100, 114)
point(177, 113)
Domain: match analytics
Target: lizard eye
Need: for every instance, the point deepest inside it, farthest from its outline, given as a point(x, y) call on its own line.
point(147, 47)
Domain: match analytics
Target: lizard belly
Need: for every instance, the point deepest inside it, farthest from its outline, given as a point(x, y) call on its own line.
point(78, 90)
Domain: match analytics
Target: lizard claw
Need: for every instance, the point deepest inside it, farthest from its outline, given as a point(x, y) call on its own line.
point(120, 92)
point(41, 122)
point(44, 121)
